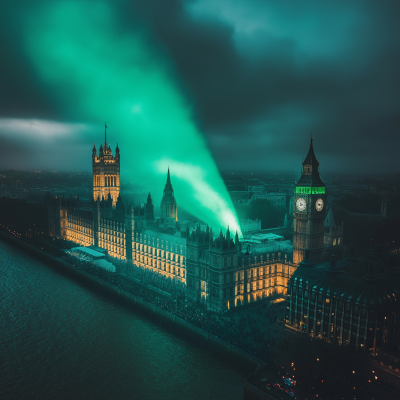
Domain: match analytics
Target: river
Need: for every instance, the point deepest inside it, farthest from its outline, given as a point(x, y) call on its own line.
point(62, 339)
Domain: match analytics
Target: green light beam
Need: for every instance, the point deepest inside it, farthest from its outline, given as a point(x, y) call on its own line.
point(97, 70)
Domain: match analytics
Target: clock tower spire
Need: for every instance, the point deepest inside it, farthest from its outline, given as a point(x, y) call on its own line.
point(309, 211)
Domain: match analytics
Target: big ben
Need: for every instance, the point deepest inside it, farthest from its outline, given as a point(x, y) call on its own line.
point(309, 211)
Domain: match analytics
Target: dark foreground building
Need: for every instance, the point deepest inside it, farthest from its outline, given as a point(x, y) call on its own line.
point(353, 301)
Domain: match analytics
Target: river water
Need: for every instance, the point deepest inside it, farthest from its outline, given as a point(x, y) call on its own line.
point(62, 339)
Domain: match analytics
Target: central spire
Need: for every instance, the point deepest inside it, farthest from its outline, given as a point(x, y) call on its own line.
point(168, 202)
point(105, 133)
point(168, 178)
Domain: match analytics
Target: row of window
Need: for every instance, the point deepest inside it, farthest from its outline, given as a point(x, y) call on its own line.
point(151, 241)
point(261, 259)
point(164, 267)
point(109, 180)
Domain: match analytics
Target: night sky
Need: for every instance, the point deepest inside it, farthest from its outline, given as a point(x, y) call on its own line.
point(255, 77)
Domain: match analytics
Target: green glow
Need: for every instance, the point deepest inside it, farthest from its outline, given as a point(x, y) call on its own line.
point(97, 70)
point(310, 190)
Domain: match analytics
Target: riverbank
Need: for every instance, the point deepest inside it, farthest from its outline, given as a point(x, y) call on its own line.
point(212, 341)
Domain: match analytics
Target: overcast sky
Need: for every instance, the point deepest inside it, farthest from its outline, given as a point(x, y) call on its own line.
point(259, 77)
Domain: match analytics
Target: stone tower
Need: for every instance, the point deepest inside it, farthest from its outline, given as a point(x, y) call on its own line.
point(106, 172)
point(309, 211)
point(168, 202)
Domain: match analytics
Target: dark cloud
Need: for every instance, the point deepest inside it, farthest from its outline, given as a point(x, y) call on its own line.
point(261, 77)
point(349, 99)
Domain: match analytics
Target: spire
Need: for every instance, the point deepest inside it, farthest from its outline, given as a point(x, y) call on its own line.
point(310, 173)
point(237, 242)
point(168, 203)
point(149, 208)
point(168, 178)
point(311, 159)
point(105, 133)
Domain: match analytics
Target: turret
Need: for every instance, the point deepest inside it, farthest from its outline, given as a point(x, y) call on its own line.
point(237, 243)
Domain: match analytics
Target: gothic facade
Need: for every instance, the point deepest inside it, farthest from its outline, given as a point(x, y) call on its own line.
point(223, 275)
point(106, 173)
point(219, 270)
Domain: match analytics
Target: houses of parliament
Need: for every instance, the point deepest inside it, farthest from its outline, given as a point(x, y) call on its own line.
point(217, 268)
point(351, 300)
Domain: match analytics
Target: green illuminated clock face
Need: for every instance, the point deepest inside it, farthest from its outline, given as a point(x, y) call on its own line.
point(301, 204)
point(319, 204)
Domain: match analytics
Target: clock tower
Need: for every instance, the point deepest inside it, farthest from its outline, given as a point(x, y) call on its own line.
point(309, 211)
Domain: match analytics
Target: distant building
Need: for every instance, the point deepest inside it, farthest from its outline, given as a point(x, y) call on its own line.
point(256, 189)
point(248, 225)
point(349, 302)
point(276, 199)
point(383, 208)
point(240, 196)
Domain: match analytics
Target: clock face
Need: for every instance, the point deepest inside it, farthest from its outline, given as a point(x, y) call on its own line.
point(319, 204)
point(301, 204)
